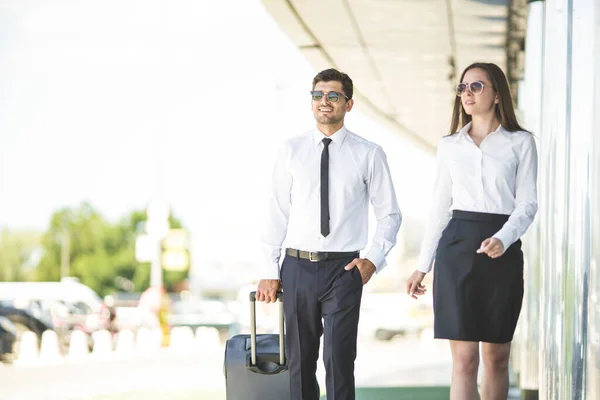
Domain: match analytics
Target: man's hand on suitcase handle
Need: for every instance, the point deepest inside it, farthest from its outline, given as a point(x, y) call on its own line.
point(267, 290)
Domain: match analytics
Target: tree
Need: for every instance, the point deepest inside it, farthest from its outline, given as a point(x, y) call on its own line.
point(18, 252)
point(92, 245)
point(136, 272)
point(101, 254)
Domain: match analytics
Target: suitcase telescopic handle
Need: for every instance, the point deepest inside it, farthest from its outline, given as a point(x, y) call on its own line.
point(253, 328)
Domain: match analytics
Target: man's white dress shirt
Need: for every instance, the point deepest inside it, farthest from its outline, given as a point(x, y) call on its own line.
point(358, 174)
point(498, 177)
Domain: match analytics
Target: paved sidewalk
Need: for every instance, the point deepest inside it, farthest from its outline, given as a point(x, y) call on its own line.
point(382, 393)
point(161, 395)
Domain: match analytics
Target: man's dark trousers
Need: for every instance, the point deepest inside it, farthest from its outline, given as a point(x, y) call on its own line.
point(321, 298)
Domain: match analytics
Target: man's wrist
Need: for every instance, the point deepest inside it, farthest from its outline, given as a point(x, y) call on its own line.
point(372, 264)
point(377, 259)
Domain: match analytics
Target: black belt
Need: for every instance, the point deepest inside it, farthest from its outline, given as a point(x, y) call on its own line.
point(479, 216)
point(315, 256)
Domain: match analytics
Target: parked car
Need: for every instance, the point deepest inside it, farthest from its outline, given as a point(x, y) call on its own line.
point(69, 305)
point(25, 320)
point(8, 337)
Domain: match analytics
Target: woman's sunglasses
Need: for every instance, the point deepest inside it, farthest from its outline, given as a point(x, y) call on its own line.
point(333, 97)
point(473, 87)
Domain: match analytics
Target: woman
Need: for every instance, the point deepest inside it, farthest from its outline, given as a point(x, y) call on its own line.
point(485, 198)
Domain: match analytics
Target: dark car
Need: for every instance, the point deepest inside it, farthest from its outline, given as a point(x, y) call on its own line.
point(25, 320)
point(67, 306)
point(8, 337)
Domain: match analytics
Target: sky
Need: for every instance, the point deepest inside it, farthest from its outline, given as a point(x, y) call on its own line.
point(123, 101)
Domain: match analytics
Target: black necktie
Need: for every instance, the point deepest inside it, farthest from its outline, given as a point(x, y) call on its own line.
point(325, 188)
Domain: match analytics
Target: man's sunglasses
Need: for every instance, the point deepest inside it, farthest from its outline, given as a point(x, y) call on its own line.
point(332, 97)
point(473, 87)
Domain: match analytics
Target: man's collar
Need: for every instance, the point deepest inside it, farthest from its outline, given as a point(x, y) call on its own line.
point(338, 137)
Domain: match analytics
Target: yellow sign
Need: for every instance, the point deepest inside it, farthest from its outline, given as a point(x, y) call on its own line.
point(175, 260)
point(176, 239)
point(175, 255)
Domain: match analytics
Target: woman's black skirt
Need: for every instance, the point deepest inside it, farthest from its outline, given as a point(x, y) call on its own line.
point(475, 297)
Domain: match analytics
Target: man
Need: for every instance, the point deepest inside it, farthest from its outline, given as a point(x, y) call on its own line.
point(322, 184)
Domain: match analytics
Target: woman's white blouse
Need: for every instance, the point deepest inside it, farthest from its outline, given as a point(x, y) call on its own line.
point(499, 177)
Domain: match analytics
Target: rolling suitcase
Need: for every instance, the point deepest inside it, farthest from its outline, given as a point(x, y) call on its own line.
point(255, 367)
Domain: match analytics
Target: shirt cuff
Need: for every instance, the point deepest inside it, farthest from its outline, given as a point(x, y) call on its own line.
point(504, 240)
point(425, 261)
point(271, 272)
point(377, 259)
point(425, 268)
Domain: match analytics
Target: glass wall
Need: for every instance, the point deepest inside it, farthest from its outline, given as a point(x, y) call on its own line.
point(530, 104)
point(553, 198)
point(593, 342)
point(563, 277)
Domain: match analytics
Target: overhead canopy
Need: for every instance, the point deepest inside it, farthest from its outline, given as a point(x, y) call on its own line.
point(403, 56)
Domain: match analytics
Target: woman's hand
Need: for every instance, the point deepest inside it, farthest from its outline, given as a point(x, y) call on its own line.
point(492, 247)
point(413, 284)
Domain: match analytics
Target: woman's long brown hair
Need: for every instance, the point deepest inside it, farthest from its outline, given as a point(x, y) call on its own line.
point(505, 112)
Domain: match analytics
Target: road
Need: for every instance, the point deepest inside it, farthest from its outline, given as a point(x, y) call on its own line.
point(198, 373)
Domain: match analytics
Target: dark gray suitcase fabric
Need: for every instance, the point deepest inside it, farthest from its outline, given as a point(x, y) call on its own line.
point(243, 383)
point(267, 379)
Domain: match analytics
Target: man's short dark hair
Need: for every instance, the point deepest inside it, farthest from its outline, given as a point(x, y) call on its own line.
point(331, 74)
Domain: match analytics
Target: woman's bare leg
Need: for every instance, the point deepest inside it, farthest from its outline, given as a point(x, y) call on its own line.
point(465, 363)
point(495, 370)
